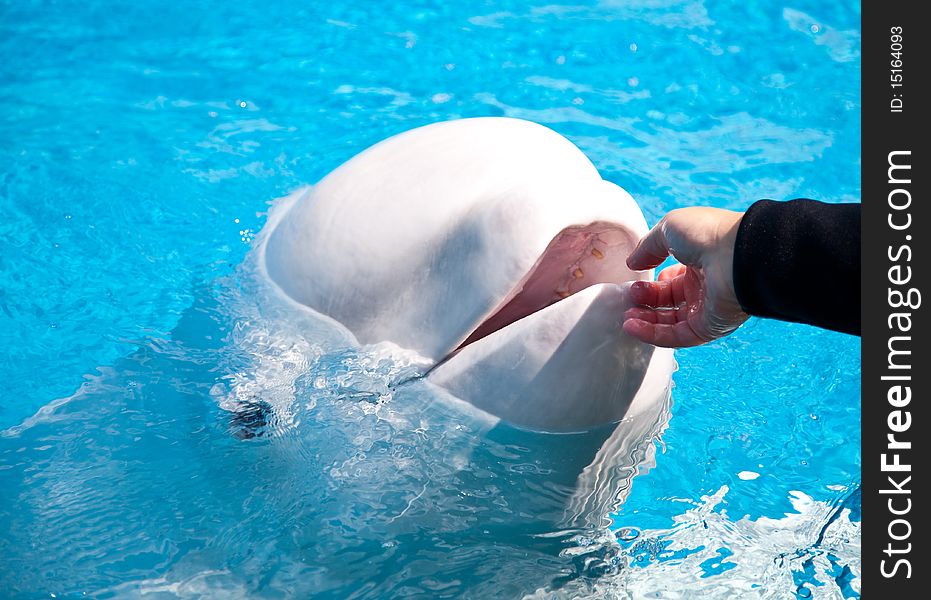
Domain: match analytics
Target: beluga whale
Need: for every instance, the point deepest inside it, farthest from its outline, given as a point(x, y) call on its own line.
point(493, 249)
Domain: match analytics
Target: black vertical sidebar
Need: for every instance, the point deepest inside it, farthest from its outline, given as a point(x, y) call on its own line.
point(896, 363)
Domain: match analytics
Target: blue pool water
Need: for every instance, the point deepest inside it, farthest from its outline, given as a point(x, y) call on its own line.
point(142, 144)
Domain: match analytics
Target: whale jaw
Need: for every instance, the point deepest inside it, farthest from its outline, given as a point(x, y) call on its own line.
point(568, 367)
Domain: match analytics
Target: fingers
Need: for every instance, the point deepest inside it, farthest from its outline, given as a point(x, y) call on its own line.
point(658, 317)
point(660, 312)
point(672, 272)
point(659, 294)
point(678, 335)
point(652, 249)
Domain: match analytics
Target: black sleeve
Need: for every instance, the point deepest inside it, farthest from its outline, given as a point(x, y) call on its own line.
point(800, 261)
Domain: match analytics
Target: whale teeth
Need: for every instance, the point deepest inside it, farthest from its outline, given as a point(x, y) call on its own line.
point(597, 253)
point(578, 274)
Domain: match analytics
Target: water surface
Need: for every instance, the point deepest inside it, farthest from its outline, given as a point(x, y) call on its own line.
point(143, 143)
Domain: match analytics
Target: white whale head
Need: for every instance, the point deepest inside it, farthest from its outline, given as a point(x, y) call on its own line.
point(494, 249)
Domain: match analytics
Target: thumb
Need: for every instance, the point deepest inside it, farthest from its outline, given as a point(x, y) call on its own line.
point(652, 249)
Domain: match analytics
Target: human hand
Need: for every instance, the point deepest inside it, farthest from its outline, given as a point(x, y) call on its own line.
point(690, 303)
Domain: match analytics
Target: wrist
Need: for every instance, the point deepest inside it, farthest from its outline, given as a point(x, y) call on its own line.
point(728, 227)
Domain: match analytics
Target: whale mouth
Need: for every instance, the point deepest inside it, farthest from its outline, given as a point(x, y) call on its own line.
point(578, 257)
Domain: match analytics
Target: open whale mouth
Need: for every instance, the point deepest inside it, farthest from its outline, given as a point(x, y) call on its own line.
point(578, 257)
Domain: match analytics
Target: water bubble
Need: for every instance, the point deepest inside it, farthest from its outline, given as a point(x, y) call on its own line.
point(633, 47)
point(815, 28)
point(627, 534)
point(242, 104)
